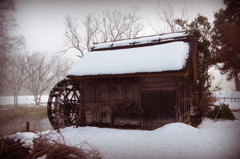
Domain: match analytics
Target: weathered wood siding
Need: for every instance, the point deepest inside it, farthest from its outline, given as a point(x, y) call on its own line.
point(111, 93)
point(163, 99)
point(183, 100)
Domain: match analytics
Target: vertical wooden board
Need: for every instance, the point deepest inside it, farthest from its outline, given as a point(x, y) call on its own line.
point(168, 103)
point(88, 92)
point(182, 98)
point(177, 105)
point(82, 102)
point(159, 107)
point(116, 91)
point(131, 92)
point(147, 103)
point(101, 93)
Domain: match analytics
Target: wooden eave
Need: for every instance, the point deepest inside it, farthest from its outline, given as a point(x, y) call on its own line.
point(133, 75)
point(120, 81)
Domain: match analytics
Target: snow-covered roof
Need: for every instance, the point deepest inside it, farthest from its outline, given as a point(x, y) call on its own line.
point(141, 40)
point(154, 58)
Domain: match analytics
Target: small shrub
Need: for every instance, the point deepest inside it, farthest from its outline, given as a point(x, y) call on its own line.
point(200, 108)
point(222, 112)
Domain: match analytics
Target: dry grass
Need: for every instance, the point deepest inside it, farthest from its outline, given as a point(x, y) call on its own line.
point(10, 149)
point(44, 146)
point(54, 149)
point(60, 151)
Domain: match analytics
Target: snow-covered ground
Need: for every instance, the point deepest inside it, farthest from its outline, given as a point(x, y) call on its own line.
point(211, 140)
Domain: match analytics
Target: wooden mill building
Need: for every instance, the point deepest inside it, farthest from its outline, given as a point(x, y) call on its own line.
point(142, 81)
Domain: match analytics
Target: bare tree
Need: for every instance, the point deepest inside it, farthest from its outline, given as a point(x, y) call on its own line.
point(42, 70)
point(7, 24)
point(167, 16)
point(107, 26)
point(13, 73)
point(91, 25)
point(118, 25)
point(73, 40)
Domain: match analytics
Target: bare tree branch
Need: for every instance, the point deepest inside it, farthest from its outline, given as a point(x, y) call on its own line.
point(13, 73)
point(107, 26)
point(72, 38)
point(167, 17)
point(42, 70)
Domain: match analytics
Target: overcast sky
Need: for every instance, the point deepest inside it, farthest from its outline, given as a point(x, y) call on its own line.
point(41, 22)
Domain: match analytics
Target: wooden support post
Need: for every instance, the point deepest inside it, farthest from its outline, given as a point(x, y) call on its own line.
point(82, 117)
point(27, 126)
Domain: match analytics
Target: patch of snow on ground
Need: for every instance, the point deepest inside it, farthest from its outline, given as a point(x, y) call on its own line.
point(25, 138)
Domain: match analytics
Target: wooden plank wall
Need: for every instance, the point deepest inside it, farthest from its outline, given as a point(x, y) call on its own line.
point(111, 94)
point(163, 99)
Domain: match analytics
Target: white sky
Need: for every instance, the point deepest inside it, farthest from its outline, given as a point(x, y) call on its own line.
point(41, 22)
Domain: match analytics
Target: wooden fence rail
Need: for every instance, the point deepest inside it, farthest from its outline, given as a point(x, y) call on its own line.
point(234, 99)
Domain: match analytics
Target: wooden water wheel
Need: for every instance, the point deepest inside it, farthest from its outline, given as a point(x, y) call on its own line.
point(64, 107)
